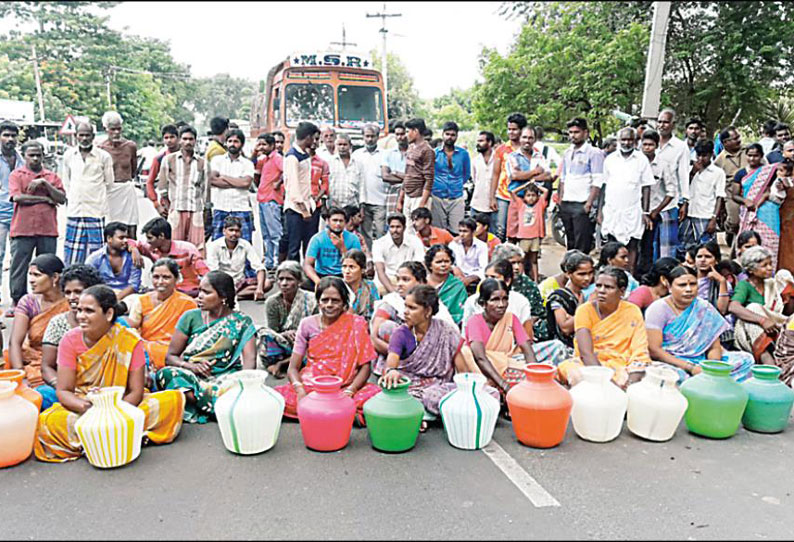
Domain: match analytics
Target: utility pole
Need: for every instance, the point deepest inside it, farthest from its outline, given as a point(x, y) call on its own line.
point(344, 43)
point(652, 91)
point(108, 73)
point(384, 57)
point(36, 75)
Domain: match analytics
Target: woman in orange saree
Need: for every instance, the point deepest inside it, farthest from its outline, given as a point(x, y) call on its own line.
point(101, 353)
point(156, 313)
point(333, 342)
point(32, 314)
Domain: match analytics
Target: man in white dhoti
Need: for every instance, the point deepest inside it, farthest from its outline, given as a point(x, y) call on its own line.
point(122, 197)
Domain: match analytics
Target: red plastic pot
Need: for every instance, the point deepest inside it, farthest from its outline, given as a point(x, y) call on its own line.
point(326, 415)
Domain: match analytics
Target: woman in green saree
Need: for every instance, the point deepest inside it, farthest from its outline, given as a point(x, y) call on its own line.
point(209, 344)
point(451, 291)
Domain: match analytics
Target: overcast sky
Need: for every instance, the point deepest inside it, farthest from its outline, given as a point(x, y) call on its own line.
point(438, 42)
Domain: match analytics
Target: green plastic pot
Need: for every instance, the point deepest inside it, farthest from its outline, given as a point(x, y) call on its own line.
point(770, 401)
point(393, 418)
point(716, 401)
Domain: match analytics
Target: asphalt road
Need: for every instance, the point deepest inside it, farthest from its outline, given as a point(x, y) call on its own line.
point(688, 488)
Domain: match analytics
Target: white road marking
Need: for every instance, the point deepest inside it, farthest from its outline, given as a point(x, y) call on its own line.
point(516, 474)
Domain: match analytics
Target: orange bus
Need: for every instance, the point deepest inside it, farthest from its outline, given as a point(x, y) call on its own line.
point(338, 89)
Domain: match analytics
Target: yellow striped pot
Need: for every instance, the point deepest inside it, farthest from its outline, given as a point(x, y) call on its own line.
point(111, 430)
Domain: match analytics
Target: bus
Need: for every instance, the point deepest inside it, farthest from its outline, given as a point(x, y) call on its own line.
point(342, 90)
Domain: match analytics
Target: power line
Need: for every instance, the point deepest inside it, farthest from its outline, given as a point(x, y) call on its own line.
point(384, 61)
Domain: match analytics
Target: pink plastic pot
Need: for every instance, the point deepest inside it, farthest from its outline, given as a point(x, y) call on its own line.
point(326, 415)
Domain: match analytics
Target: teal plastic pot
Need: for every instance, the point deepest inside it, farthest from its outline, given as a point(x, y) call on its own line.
point(770, 402)
point(716, 401)
point(393, 418)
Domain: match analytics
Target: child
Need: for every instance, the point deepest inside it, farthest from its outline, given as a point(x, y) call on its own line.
point(531, 226)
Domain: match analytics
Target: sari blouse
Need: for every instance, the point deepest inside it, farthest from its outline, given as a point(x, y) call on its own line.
point(690, 334)
point(158, 323)
point(30, 306)
point(453, 294)
point(364, 299)
point(220, 342)
point(279, 318)
point(618, 339)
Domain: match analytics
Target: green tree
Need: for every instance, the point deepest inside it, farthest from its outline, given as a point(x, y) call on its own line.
point(222, 95)
point(403, 100)
point(456, 105)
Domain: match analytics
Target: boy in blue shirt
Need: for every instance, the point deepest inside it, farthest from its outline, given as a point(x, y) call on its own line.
point(326, 248)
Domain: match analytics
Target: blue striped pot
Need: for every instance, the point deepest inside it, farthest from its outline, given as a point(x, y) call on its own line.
point(249, 413)
point(469, 414)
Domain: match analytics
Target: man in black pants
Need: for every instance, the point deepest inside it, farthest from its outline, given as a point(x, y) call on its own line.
point(298, 202)
point(580, 175)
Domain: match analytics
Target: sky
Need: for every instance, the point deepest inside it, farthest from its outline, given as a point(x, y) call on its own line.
point(438, 42)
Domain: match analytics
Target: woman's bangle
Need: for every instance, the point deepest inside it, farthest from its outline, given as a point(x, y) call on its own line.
point(349, 391)
point(297, 385)
point(391, 369)
point(724, 295)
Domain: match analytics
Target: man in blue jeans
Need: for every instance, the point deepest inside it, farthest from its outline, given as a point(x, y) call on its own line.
point(270, 195)
point(10, 160)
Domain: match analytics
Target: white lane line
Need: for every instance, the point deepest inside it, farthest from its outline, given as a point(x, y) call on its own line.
point(516, 474)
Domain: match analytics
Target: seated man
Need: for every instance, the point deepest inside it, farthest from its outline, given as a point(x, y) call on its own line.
point(422, 219)
point(483, 232)
point(159, 244)
point(114, 262)
point(324, 255)
point(393, 249)
point(471, 255)
point(229, 254)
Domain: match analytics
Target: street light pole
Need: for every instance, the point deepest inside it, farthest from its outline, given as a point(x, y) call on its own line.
point(384, 55)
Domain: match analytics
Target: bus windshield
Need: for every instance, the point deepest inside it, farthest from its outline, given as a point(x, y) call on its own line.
point(360, 105)
point(308, 102)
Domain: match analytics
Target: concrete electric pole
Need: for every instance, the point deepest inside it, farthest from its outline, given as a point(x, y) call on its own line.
point(37, 76)
point(384, 57)
point(653, 71)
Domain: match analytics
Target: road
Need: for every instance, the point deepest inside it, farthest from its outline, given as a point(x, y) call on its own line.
point(689, 488)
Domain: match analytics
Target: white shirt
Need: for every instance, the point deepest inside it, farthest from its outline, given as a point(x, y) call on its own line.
point(551, 155)
point(623, 180)
point(392, 256)
point(664, 185)
point(233, 263)
point(231, 199)
point(516, 304)
point(323, 153)
point(472, 262)
point(676, 153)
point(767, 143)
point(707, 185)
point(87, 182)
point(373, 190)
point(481, 173)
point(579, 170)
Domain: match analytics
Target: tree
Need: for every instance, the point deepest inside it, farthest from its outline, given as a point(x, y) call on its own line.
point(222, 96)
point(403, 100)
point(456, 105)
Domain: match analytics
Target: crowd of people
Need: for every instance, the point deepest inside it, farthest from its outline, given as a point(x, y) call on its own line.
point(379, 267)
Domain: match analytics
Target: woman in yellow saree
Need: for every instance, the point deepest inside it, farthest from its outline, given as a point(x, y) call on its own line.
point(156, 313)
point(102, 353)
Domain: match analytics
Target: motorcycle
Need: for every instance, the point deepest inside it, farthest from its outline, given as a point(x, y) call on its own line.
point(557, 227)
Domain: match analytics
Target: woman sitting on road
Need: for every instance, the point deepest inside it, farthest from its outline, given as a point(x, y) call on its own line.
point(363, 292)
point(615, 254)
point(283, 313)
point(609, 331)
point(333, 342)
point(762, 304)
point(155, 314)
point(209, 345)
point(74, 281)
point(684, 330)
point(555, 282)
point(655, 283)
point(32, 314)
point(562, 303)
point(439, 260)
point(525, 286)
point(102, 353)
point(712, 285)
point(426, 350)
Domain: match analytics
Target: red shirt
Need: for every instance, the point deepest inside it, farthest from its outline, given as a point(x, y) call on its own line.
point(271, 169)
point(530, 219)
point(39, 219)
point(154, 171)
point(320, 174)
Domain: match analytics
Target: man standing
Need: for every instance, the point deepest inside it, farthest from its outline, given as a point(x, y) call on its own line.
point(231, 176)
point(171, 142)
point(35, 193)
point(661, 239)
point(87, 173)
point(452, 169)
point(345, 178)
point(675, 152)
point(500, 198)
point(482, 173)
point(525, 164)
point(122, 198)
point(471, 255)
point(782, 135)
point(393, 249)
point(321, 174)
point(694, 133)
point(419, 170)
point(627, 183)
point(328, 148)
point(373, 189)
point(10, 160)
point(730, 160)
point(114, 262)
point(270, 195)
point(298, 202)
point(182, 189)
point(392, 169)
point(708, 190)
point(230, 255)
point(581, 171)
point(280, 139)
point(326, 248)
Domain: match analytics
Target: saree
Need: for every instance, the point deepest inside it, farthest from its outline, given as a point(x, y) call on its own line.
point(526, 287)
point(340, 350)
point(620, 341)
point(453, 295)
point(784, 354)
point(569, 302)
point(751, 337)
point(766, 219)
point(364, 299)
point(272, 345)
point(221, 344)
point(106, 364)
point(709, 290)
point(785, 257)
point(690, 335)
point(158, 324)
point(31, 346)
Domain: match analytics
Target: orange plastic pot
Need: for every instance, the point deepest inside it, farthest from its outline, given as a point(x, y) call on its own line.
point(18, 375)
point(539, 407)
